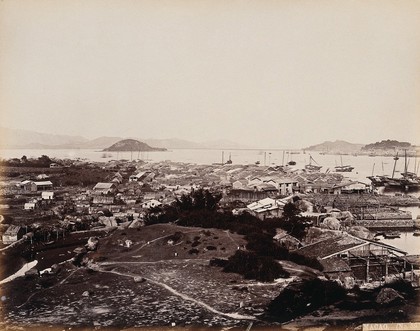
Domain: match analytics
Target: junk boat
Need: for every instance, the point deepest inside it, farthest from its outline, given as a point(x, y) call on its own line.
point(343, 168)
point(230, 159)
point(409, 180)
point(312, 167)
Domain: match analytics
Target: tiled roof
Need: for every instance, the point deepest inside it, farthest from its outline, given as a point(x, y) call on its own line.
point(330, 246)
point(43, 183)
point(103, 186)
point(335, 264)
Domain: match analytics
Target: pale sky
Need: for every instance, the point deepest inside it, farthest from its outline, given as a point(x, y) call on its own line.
point(263, 73)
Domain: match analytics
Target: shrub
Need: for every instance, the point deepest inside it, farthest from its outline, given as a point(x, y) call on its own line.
point(177, 236)
point(215, 262)
point(193, 251)
point(263, 245)
point(252, 266)
point(402, 286)
point(300, 298)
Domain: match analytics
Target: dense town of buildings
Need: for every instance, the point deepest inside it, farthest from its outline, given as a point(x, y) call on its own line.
point(48, 203)
point(129, 189)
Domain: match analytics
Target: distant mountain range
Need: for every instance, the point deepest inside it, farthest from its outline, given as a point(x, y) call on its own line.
point(12, 138)
point(346, 147)
point(336, 146)
point(25, 139)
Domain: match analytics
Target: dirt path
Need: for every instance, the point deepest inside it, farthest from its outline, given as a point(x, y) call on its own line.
point(154, 262)
point(184, 297)
point(230, 237)
point(49, 288)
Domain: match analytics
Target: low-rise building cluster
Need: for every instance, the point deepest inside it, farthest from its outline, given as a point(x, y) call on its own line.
point(130, 189)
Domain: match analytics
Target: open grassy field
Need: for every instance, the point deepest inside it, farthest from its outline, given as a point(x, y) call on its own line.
point(156, 281)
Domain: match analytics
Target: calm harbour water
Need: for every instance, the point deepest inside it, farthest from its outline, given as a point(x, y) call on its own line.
point(407, 242)
point(363, 166)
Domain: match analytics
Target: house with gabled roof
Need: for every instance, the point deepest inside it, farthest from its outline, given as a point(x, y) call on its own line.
point(239, 184)
point(43, 185)
point(266, 208)
point(32, 186)
point(105, 188)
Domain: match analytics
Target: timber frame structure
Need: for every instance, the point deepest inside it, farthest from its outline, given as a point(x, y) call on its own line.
point(368, 260)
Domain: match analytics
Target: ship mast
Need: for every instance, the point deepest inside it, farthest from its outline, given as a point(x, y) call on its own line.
point(395, 163)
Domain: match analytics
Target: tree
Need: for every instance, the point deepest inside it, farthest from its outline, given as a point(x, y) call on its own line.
point(198, 200)
point(44, 160)
point(290, 210)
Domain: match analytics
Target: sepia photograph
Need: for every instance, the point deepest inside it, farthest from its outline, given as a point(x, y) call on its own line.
point(209, 165)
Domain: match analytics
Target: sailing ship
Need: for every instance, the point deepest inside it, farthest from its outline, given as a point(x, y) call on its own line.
point(291, 162)
point(377, 181)
point(312, 167)
point(230, 159)
point(343, 168)
point(408, 180)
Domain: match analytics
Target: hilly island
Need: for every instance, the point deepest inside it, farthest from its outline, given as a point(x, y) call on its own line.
point(128, 145)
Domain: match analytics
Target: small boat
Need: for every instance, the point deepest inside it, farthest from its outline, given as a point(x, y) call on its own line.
point(392, 235)
point(291, 163)
point(257, 163)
